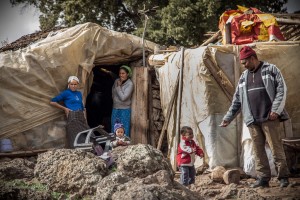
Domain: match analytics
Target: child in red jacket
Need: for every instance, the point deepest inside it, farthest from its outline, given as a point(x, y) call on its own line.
point(187, 149)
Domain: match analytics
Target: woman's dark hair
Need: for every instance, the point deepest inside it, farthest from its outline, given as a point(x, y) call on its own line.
point(185, 129)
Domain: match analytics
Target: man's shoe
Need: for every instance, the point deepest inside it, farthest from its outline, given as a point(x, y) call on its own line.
point(284, 182)
point(260, 183)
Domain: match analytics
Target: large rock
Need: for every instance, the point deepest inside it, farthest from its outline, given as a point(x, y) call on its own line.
point(157, 186)
point(117, 151)
point(69, 170)
point(16, 169)
point(143, 173)
point(143, 160)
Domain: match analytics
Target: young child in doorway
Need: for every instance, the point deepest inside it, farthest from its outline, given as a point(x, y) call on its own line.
point(187, 149)
point(121, 138)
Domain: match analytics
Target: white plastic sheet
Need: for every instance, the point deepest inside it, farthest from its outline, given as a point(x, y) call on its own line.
point(204, 102)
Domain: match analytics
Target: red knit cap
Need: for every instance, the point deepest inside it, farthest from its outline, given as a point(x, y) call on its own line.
point(246, 52)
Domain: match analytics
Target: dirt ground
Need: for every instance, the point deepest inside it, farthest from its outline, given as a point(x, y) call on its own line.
point(216, 190)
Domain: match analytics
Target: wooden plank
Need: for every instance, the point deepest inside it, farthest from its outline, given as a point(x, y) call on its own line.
point(288, 21)
point(16, 154)
point(139, 107)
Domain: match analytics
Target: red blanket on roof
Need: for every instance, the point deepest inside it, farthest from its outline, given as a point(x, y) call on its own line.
point(248, 28)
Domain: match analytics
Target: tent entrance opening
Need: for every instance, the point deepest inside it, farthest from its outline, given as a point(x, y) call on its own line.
point(99, 100)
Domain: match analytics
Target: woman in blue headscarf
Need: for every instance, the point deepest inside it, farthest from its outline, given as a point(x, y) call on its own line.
point(121, 94)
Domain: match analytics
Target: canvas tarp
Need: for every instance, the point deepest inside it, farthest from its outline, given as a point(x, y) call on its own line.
point(210, 75)
point(30, 77)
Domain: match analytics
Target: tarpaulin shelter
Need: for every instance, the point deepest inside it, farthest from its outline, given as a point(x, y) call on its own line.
point(31, 76)
point(209, 77)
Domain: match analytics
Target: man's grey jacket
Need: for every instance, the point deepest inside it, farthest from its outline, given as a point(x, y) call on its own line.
point(275, 87)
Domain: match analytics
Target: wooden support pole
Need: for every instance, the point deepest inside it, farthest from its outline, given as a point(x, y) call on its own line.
point(178, 113)
point(238, 119)
point(213, 38)
point(167, 118)
point(139, 107)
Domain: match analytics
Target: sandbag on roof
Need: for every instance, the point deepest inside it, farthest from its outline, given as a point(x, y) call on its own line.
point(30, 77)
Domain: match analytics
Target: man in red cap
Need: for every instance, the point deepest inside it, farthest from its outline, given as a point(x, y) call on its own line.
point(261, 95)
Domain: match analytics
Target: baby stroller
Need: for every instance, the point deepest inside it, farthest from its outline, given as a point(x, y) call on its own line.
point(86, 139)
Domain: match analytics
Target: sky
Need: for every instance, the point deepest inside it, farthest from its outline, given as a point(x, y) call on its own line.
point(18, 21)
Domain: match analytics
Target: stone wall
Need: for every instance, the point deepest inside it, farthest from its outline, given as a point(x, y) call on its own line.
point(157, 118)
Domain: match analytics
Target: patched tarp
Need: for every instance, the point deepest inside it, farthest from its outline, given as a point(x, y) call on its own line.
point(210, 75)
point(30, 77)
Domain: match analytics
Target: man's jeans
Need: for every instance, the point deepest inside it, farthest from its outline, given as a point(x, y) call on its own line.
point(269, 131)
point(187, 175)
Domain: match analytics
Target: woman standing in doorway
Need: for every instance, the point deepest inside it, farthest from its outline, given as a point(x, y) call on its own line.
point(74, 109)
point(121, 94)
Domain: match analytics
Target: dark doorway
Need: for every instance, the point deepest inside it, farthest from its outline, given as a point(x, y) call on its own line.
point(99, 100)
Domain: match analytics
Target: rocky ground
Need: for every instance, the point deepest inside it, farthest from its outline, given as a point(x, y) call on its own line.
point(216, 190)
point(141, 173)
